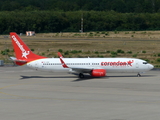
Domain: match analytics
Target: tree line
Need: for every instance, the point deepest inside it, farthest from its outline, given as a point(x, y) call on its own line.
point(54, 21)
point(123, 6)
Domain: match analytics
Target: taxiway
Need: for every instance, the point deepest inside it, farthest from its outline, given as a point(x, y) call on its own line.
point(27, 94)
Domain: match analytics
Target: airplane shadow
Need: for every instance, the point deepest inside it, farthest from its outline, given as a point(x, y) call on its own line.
point(83, 79)
point(87, 77)
point(131, 76)
point(30, 77)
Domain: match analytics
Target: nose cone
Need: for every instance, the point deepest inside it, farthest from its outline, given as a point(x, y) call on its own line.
point(150, 66)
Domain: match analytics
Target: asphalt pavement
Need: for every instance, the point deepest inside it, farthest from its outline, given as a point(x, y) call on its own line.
point(26, 94)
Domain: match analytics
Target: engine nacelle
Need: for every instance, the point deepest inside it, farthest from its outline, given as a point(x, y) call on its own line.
point(98, 73)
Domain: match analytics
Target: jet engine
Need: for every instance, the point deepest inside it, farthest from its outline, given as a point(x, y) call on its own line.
point(98, 73)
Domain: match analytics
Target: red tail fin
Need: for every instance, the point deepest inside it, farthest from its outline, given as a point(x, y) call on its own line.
point(21, 49)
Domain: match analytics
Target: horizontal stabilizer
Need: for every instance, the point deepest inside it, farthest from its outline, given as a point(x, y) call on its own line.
point(18, 61)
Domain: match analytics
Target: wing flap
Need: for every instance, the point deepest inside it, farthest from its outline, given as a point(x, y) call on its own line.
point(82, 70)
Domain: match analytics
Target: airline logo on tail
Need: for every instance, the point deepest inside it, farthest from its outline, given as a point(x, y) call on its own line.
point(24, 52)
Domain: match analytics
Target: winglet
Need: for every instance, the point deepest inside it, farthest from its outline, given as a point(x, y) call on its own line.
point(60, 55)
point(62, 62)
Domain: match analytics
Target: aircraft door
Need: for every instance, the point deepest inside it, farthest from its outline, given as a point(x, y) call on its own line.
point(137, 65)
point(36, 64)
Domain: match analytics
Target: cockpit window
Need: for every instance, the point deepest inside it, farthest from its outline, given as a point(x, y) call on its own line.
point(145, 63)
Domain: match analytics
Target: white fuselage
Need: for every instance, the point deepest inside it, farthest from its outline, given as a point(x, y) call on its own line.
point(109, 64)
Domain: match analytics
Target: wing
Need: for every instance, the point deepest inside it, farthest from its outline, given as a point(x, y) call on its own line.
point(95, 72)
point(76, 69)
point(82, 70)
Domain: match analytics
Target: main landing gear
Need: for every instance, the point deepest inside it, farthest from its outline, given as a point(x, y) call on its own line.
point(138, 75)
point(81, 75)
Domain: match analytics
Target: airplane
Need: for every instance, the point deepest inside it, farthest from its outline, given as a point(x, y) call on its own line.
point(96, 67)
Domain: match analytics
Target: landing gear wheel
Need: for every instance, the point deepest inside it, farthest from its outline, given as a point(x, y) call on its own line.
point(81, 75)
point(138, 75)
